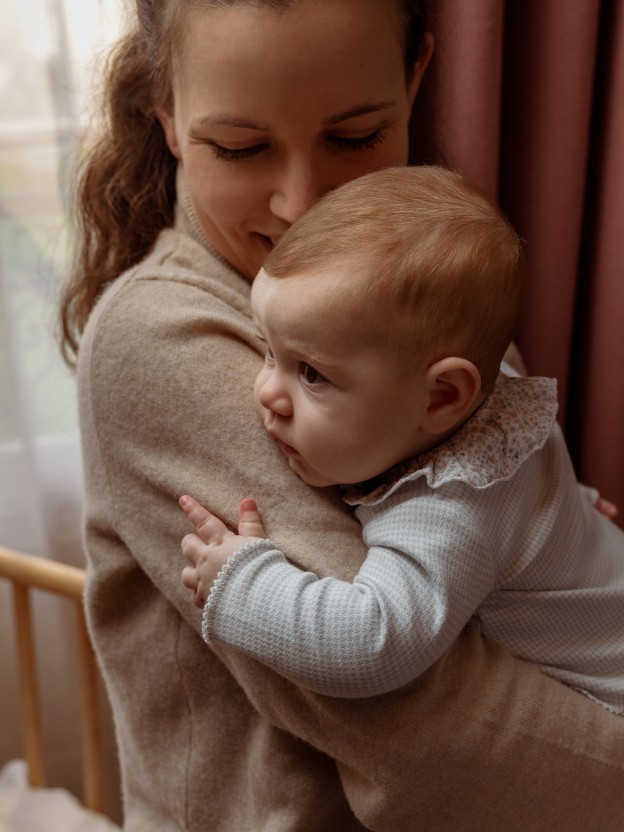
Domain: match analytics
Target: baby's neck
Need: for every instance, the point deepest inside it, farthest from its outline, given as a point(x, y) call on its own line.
point(426, 447)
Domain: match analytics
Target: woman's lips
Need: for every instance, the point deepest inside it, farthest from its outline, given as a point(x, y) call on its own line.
point(269, 241)
point(266, 242)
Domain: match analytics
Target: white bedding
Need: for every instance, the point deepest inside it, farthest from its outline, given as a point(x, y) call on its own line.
point(23, 809)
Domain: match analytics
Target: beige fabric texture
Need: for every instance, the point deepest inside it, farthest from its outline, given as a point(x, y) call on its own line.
point(214, 741)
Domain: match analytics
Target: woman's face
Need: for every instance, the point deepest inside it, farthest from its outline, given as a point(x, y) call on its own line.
point(272, 109)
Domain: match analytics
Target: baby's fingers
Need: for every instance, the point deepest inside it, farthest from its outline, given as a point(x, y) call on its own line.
point(189, 578)
point(192, 548)
point(207, 526)
point(249, 520)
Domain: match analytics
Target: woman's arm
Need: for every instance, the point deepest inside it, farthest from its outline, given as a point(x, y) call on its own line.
point(480, 741)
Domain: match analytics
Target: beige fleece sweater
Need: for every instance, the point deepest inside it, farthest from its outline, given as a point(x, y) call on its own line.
point(214, 742)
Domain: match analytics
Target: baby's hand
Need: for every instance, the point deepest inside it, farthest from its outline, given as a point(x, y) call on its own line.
point(209, 549)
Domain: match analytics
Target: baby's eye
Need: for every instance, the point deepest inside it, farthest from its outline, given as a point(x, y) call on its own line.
point(269, 357)
point(311, 375)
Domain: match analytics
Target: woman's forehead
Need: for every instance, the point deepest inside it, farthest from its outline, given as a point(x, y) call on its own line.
point(313, 44)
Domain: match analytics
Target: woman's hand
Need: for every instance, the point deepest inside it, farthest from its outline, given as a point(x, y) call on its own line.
point(207, 551)
point(606, 507)
point(600, 503)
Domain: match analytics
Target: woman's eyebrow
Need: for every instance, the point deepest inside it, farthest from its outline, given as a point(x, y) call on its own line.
point(225, 120)
point(360, 110)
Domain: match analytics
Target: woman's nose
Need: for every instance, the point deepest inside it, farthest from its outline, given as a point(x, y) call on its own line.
point(272, 394)
point(297, 186)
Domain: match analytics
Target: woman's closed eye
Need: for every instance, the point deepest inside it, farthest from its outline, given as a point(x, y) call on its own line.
point(354, 143)
point(233, 154)
point(337, 142)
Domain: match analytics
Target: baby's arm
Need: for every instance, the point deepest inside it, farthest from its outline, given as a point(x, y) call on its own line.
point(364, 638)
point(210, 549)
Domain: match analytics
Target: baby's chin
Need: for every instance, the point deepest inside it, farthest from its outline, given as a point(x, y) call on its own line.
point(311, 477)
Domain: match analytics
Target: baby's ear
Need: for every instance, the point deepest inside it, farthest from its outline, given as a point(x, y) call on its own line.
point(452, 388)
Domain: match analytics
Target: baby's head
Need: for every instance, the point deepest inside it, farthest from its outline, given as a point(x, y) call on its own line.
point(432, 262)
point(416, 272)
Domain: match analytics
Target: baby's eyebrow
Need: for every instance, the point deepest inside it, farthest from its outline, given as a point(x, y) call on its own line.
point(312, 355)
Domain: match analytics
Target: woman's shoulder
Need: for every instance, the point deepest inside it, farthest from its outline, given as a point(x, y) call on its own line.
point(179, 282)
point(179, 263)
point(180, 304)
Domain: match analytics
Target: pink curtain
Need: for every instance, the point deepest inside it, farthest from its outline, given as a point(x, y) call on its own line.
point(527, 99)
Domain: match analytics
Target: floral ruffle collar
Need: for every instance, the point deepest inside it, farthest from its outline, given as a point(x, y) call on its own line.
point(512, 423)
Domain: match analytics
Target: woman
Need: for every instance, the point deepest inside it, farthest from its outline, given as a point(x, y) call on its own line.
point(227, 119)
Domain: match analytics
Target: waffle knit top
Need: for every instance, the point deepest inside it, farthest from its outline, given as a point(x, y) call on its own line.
point(489, 527)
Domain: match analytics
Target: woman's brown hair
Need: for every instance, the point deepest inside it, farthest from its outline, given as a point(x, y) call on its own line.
point(125, 183)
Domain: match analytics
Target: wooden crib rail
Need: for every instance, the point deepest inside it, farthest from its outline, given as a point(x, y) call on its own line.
point(27, 572)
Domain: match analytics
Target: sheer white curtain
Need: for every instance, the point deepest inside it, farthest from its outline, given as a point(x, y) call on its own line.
point(47, 48)
point(49, 51)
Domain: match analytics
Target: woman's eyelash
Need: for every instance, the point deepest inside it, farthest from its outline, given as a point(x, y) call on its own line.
point(359, 143)
point(236, 153)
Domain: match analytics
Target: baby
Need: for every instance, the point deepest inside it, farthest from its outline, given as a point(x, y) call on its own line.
point(386, 311)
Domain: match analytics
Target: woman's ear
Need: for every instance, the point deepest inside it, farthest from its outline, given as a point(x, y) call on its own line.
point(452, 388)
point(420, 67)
point(167, 122)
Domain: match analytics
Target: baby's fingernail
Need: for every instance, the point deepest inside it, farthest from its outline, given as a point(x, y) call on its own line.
point(183, 501)
point(248, 505)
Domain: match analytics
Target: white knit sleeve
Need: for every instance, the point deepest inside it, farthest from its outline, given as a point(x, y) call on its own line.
point(407, 604)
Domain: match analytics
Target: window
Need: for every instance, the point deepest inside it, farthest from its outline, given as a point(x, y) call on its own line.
point(49, 50)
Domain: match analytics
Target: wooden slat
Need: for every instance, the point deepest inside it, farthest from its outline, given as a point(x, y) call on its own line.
point(26, 572)
point(48, 575)
point(90, 727)
point(29, 689)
